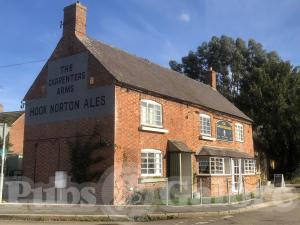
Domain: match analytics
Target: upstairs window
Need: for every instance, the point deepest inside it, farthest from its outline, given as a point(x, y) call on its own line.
point(151, 113)
point(151, 162)
point(205, 125)
point(239, 132)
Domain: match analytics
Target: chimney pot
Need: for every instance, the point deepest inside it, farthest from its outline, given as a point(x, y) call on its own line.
point(212, 78)
point(74, 20)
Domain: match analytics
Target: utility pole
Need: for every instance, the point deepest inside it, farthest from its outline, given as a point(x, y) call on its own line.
point(2, 162)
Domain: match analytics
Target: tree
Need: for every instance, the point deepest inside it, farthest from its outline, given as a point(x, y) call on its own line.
point(261, 84)
point(84, 154)
point(8, 145)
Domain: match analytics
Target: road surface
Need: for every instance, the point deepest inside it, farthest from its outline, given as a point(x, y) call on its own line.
point(286, 214)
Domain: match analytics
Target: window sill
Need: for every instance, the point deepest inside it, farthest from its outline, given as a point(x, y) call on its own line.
point(213, 175)
point(153, 129)
point(241, 141)
point(145, 180)
point(207, 138)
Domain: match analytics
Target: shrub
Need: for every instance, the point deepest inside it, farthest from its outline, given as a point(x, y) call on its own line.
point(213, 200)
point(295, 180)
point(239, 197)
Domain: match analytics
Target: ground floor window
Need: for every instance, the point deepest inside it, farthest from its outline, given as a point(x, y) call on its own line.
point(151, 162)
point(223, 165)
point(211, 165)
point(249, 166)
point(204, 165)
point(216, 165)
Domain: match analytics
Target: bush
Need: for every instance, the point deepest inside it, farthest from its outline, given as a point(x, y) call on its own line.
point(239, 197)
point(213, 200)
point(295, 180)
point(225, 199)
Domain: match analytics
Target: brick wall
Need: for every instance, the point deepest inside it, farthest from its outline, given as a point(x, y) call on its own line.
point(16, 135)
point(181, 120)
point(43, 158)
point(46, 145)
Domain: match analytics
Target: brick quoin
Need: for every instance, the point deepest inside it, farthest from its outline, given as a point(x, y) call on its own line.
point(46, 148)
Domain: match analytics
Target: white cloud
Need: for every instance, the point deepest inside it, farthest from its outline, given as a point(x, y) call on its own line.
point(184, 17)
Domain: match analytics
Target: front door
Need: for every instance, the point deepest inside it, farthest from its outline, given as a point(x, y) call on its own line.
point(236, 175)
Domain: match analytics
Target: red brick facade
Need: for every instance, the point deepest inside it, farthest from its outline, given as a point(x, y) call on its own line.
point(183, 123)
point(46, 148)
point(16, 135)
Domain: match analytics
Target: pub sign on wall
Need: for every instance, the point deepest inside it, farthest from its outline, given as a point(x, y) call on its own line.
point(224, 131)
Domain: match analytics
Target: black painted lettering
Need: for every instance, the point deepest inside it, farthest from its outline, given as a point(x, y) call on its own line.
point(86, 104)
point(103, 100)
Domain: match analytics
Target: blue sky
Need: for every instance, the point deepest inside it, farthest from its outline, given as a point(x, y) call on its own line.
point(158, 30)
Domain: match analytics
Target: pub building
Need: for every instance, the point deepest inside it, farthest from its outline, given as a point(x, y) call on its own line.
point(162, 126)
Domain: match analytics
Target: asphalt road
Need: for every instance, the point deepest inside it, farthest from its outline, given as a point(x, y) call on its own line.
point(285, 214)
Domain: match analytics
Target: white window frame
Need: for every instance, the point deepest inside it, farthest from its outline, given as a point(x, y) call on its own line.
point(205, 116)
point(158, 166)
point(201, 161)
point(239, 132)
point(215, 162)
point(249, 166)
point(148, 120)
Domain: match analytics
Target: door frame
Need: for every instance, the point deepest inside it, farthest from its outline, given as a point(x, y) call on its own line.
point(239, 175)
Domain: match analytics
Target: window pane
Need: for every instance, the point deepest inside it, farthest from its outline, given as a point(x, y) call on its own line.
point(151, 171)
point(239, 132)
point(249, 166)
point(143, 114)
point(227, 165)
point(157, 107)
point(151, 163)
point(151, 114)
point(216, 165)
point(204, 165)
point(205, 125)
point(151, 155)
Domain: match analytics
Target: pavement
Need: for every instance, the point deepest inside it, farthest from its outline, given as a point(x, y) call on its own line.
point(76, 213)
point(283, 214)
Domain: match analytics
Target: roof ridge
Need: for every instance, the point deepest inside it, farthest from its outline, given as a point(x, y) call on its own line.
point(12, 112)
point(150, 62)
point(145, 75)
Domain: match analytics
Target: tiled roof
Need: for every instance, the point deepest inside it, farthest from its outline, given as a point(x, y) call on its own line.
point(144, 75)
point(178, 146)
point(223, 152)
point(10, 117)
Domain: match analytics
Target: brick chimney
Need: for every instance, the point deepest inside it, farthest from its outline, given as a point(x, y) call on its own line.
point(212, 78)
point(74, 19)
point(1, 108)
